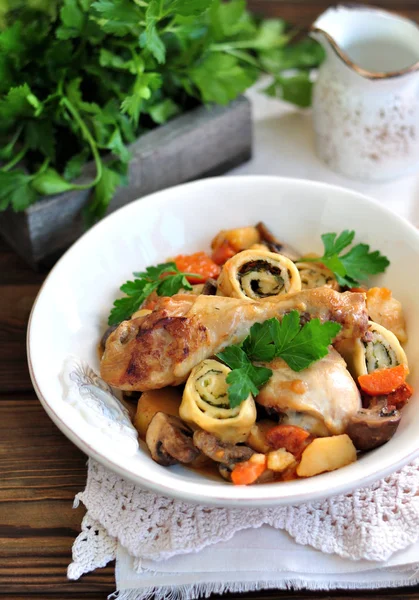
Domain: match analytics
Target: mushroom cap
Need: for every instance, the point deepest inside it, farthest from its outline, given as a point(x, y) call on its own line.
point(221, 452)
point(170, 440)
point(370, 428)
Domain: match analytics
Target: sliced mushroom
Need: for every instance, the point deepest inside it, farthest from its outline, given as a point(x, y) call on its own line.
point(225, 471)
point(170, 440)
point(210, 287)
point(221, 452)
point(105, 336)
point(372, 427)
point(274, 244)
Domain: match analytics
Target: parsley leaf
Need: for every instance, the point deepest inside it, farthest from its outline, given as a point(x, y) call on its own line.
point(296, 89)
point(39, 135)
point(306, 53)
point(16, 190)
point(171, 285)
point(301, 346)
point(123, 308)
point(259, 343)
point(298, 345)
point(165, 279)
point(245, 378)
point(354, 266)
point(117, 146)
point(120, 17)
point(74, 166)
point(150, 37)
point(359, 262)
point(50, 182)
point(234, 357)
point(152, 273)
point(103, 194)
point(187, 8)
point(73, 20)
point(220, 78)
point(163, 111)
point(17, 103)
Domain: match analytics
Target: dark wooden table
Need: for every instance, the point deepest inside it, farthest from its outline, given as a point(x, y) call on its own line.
point(40, 470)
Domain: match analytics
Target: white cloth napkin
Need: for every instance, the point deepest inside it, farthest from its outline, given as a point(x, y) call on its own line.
point(266, 557)
point(258, 560)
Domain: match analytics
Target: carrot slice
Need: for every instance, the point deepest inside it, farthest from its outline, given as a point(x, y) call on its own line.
point(247, 472)
point(383, 381)
point(222, 253)
point(199, 263)
point(290, 437)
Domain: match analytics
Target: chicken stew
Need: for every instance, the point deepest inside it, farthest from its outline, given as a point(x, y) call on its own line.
point(267, 364)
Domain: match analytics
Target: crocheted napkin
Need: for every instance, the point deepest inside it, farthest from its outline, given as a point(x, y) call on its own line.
point(370, 524)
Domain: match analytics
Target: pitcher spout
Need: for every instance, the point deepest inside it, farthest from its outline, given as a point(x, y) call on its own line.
point(372, 42)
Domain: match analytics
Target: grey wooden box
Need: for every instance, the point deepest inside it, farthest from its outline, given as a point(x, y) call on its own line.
point(200, 143)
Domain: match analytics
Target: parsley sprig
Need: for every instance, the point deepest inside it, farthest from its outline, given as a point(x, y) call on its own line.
point(354, 266)
point(299, 345)
point(165, 279)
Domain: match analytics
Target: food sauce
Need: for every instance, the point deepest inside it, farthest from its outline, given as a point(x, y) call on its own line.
point(297, 386)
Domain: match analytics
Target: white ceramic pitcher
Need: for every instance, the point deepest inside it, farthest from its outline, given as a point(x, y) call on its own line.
point(366, 98)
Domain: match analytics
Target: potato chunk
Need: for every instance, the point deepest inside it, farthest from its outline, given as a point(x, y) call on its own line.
point(240, 238)
point(279, 460)
point(166, 400)
point(326, 454)
point(257, 436)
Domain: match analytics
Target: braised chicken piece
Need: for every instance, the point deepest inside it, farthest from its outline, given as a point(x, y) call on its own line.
point(321, 399)
point(387, 311)
point(161, 348)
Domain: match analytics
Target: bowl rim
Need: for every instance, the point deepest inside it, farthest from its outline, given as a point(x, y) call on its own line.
point(184, 494)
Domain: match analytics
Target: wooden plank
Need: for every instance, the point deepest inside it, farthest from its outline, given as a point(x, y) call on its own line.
point(304, 12)
point(40, 473)
point(13, 269)
point(15, 305)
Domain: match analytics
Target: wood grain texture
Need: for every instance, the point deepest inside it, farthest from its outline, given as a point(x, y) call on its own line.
point(304, 12)
point(41, 471)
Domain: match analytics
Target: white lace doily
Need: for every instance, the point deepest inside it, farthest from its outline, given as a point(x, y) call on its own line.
point(371, 523)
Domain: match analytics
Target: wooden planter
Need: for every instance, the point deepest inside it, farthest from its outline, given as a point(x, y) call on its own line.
point(200, 143)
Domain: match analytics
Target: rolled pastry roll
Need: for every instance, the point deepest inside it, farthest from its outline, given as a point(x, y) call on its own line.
point(257, 274)
point(314, 275)
point(205, 403)
point(381, 351)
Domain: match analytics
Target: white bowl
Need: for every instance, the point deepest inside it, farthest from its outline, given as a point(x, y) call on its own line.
point(72, 307)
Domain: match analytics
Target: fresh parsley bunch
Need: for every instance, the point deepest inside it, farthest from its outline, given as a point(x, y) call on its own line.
point(299, 345)
point(82, 79)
